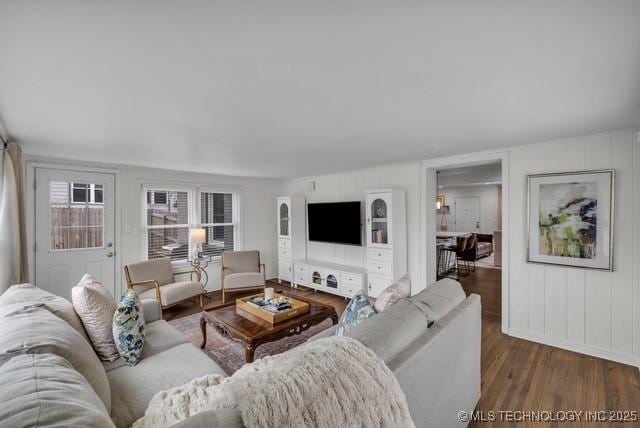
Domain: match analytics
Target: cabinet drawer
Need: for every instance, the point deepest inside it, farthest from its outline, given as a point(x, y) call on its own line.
point(302, 269)
point(284, 243)
point(349, 290)
point(351, 279)
point(377, 284)
point(284, 252)
point(301, 278)
point(379, 255)
point(379, 268)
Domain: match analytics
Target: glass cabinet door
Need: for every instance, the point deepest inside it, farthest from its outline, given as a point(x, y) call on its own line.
point(378, 221)
point(283, 223)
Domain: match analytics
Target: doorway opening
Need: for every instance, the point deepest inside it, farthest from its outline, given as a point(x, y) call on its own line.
point(469, 231)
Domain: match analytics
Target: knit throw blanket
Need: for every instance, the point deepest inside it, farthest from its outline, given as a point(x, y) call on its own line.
point(331, 382)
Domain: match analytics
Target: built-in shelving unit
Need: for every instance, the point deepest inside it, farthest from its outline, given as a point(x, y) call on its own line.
point(386, 238)
point(333, 278)
point(292, 225)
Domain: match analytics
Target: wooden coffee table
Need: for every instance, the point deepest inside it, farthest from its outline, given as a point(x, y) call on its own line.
point(252, 332)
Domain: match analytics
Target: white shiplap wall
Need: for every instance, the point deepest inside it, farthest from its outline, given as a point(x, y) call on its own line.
point(351, 186)
point(586, 310)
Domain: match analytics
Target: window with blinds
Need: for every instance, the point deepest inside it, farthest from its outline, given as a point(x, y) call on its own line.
point(167, 224)
point(217, 218)
point(171, 213)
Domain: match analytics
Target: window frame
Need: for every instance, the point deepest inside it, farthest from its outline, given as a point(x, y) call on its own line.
point(194, 206)
point(235, 209)
point(91, 193)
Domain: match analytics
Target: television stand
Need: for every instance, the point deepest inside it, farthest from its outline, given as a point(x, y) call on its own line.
point(333, 278)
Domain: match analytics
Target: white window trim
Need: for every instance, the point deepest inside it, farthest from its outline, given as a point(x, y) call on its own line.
point(194, 214)
point(237, 209)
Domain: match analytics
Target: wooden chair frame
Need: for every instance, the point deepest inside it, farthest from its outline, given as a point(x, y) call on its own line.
point(157, 286)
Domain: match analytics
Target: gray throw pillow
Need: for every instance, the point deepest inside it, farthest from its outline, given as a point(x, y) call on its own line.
point(400, 289)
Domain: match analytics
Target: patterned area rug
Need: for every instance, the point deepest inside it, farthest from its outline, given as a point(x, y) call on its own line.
point(228, 354)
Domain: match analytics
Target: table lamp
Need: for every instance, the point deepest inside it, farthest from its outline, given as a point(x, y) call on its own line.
point(198, 237)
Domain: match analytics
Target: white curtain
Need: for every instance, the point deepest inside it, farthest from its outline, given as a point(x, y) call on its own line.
point(10, 250)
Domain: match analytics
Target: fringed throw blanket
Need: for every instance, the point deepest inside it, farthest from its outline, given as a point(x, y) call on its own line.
point(327, 383)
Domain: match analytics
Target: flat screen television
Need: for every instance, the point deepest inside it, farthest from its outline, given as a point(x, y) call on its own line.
point(335, 222)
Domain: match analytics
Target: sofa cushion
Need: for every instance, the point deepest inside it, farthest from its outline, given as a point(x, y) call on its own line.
point(45, 390)
point(439, 298)
point(400, 289)
point(357, 311)
point(175, 292)
point(158, 337)
point(35, 330)
point(244, 280)
point(391, 331)
point(32, 295)
point(133, 387)
point(95, 307)
point(154, 269)
point(128, 328)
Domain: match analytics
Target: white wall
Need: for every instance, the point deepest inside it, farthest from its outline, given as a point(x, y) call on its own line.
point(258, 209)
point(350, 186)
point(585, 310)
point(489, 206)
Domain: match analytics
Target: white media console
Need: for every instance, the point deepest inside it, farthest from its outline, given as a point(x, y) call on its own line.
point(329, 277)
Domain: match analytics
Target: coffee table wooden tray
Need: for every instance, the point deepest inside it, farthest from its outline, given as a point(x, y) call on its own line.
point(298, 308)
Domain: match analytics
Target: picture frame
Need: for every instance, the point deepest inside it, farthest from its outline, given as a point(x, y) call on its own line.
point(570, 219)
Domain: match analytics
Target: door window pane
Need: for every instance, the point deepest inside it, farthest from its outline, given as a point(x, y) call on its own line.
point(76, 221)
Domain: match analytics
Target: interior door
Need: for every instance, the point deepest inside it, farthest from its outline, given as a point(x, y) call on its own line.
point(467, 214)
point(74, 229)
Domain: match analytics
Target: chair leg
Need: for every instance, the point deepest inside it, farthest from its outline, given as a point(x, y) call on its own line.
point(201, 302)
point(224, 300)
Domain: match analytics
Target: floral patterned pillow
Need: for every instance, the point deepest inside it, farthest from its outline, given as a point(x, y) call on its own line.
point(357, 310)
point(128, 328)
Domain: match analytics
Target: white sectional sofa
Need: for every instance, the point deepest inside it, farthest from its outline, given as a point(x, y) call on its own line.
point(49, 374)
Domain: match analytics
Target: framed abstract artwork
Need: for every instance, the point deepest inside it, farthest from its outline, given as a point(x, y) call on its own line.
point(571, 219)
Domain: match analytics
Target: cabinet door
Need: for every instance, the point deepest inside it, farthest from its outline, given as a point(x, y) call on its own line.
point(285, 270)
point(284, 219)
point(379, 220)
point(376, 284)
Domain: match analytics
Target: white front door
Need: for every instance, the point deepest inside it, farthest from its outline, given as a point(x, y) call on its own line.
point(74, 229)
point(467, 213)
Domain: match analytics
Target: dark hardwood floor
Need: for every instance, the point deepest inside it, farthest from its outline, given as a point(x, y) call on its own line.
point(518, 375)
point(486, 283)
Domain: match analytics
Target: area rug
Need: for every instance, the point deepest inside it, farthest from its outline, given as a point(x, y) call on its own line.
point(229, 354)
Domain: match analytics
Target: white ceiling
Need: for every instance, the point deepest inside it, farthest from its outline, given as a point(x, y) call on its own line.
point(289, 88)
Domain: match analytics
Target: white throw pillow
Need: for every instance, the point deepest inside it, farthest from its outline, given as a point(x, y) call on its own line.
point(400, 289)
point(96, 307)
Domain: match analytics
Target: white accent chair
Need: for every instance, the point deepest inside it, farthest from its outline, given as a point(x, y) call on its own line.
point(154, 279)
point(241, 271)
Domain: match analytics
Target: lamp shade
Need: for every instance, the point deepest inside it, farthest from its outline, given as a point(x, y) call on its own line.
point(198, 236)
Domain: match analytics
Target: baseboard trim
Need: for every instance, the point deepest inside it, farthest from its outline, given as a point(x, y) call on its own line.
point(593, 351)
